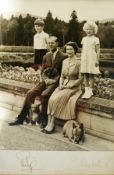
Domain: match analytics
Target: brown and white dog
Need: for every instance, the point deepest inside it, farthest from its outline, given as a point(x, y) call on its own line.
point(34, 112)
point(74, 131)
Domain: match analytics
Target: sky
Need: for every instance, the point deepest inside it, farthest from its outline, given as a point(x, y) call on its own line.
point(86, 9)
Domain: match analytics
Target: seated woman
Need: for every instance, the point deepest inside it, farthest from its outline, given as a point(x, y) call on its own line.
point(62, 103)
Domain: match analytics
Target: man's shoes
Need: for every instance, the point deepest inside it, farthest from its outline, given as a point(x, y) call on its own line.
point(43, 124)
point(16, 122)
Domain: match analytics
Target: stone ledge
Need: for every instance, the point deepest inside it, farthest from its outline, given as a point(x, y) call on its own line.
point(97, 104)
point(14, 86)
point(99, 126)
point(94, 104)
point(96, 114)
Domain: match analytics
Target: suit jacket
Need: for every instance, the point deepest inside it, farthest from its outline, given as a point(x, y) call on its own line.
point(56, 64)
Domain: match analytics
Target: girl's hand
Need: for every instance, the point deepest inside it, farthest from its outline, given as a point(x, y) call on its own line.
point(97, 63)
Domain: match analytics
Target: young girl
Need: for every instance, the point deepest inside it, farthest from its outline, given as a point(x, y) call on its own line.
point(90, 57)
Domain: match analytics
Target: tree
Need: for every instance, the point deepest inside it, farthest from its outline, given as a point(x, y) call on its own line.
point(4, 31)
point(12, 28)
point(73, 33)
point(20, 31)
point(49, 23)
point(28, 30)
point(1, 39)
point(106, 35)
point(60, 30)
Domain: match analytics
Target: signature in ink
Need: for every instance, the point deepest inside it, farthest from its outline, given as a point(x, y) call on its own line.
point(26, 161)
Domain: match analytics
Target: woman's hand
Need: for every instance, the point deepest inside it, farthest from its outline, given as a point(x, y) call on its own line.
point(61, 87)
point(67, 87)
point(64, 87)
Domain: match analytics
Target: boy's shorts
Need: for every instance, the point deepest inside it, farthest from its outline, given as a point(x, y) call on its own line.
point(38, 57)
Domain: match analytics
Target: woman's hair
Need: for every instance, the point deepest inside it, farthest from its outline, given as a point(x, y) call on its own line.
point(92, 25)
point(72, 44)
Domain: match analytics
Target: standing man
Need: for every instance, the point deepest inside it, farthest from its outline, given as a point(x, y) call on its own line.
point(45, 87)
point(40, 41)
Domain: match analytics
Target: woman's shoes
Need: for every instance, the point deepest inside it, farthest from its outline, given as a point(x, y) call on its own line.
point(48, 132)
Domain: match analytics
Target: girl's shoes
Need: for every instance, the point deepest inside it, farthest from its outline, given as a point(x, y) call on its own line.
point(88, 93)
point(85, 93)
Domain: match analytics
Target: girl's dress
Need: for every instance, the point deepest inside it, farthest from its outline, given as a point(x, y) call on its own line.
point(62, 103)
point(89, 55)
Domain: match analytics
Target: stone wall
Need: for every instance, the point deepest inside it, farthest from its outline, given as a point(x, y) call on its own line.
point(97, 114)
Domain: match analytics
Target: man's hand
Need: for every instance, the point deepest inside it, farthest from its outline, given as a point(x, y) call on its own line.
point(49, 81)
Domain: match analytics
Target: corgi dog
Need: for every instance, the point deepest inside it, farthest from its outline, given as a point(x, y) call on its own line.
point(34, 112)
point(74, 131)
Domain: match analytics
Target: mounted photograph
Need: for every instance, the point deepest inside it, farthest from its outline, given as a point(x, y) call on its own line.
point(56, 82)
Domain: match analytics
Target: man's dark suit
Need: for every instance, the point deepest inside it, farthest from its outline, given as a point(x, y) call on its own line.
point(42, 90)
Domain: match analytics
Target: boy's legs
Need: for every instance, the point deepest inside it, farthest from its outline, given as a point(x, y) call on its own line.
point(39, 53)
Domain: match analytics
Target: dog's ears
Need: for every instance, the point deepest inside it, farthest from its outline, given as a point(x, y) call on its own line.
point(73, 125)
point(81, 126)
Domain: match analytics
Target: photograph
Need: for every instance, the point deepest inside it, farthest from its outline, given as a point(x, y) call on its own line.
point(57, 87)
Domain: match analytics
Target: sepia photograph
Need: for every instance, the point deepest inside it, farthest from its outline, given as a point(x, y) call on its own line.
point(57, 87)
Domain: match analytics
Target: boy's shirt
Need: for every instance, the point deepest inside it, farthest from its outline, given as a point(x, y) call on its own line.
point(40, 40)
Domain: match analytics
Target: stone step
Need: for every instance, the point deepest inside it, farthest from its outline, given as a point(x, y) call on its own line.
point(91, 143)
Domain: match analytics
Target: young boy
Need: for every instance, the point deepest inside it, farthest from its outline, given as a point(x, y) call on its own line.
point(40, 41)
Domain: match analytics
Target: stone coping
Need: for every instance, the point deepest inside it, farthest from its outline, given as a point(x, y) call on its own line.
point(93, 105)
point(103, 55)
point(7, 48)
point(97, 105)
point(15, 86)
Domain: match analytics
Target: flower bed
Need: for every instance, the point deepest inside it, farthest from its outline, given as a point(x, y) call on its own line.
point(104, 88)
point(103, 85)
point(28, 75)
